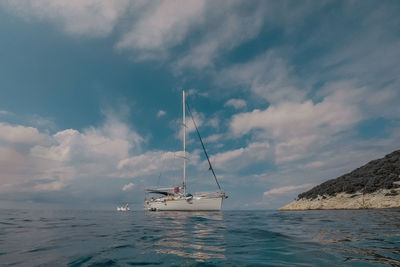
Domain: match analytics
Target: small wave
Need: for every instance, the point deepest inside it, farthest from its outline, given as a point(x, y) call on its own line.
point(7, 223)
point(142, 263)
point(80, 261)
point(82, 225)
point(220, 239)
point(124, 246)
point(41, 249)
point(103, 263)
point(67, 219)
point(198, 219)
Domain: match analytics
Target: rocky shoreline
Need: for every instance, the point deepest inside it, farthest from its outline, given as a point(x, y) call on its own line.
point(376, 185)
point(381, 199)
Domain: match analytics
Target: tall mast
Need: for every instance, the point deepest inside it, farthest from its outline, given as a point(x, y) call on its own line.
point(184, 142)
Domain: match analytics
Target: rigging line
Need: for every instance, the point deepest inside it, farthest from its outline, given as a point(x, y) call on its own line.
point(202, 144)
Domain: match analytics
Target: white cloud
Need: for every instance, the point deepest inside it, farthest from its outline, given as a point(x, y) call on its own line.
point(20, 134)
point(222, 34)
point(152, 29)
point(287, 189)
point(242, 157)
point(148, 163)
point(315, 164)
point(213, 122)
point(198, 117)
point(40, 122)
point(235, 103)
point(212, 138)
point(34, 161)
point(161, 113)
point(268, 76)
point(231, 23)
point(297, 119)
point(161, 27)
point(194, 93)
point(89, 17)
point(298, 127)
point(294, 148)
point(128, 187)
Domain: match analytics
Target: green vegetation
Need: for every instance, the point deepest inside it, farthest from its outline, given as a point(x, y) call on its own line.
point(375, 175)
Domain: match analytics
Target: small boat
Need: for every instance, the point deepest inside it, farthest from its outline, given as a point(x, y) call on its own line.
point(178, 198)
point(126, 208)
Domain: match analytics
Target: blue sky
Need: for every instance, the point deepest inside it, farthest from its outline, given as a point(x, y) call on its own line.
point(287, 94)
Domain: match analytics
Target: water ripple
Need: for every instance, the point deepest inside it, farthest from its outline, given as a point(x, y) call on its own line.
point(233, 238)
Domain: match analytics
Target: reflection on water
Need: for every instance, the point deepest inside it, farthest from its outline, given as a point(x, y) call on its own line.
point(189, 233)
point(226, 238)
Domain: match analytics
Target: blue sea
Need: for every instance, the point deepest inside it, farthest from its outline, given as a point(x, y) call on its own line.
point(226, 238)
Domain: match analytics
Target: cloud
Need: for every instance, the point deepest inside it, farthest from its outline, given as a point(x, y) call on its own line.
point(296, 126)
point(213, 122)
point(371, 39)
point(161, 113)
point(235, 103)
point(287, 189)
point(51, 186)
point(20, 134)
point(198, 117)
point(161, 26)
point(301, 130)
point(268, 76)
point(282, 73)
point(305, 92)
point(35, 161)
point(149, 30)
point(299, 119)
point(153, 163)
point(235, 27)
point(128, 187)
point(232, 23)
point(194, 93)
point(163, 30)
point(213, 138)
point(27, 120)
point(91, 17)
point(148, 163)
point(315, 164)
point(237, 159)
point(294, 148)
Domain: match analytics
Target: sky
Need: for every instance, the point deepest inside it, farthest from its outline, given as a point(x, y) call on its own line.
point(286, 94)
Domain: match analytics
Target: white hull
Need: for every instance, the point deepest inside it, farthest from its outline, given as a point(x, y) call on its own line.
point(194, 204)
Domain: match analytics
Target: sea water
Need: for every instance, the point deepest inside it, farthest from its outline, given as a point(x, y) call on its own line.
point(226, 238)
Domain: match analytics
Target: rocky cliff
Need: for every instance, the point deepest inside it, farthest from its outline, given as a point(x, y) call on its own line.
point(374, 185)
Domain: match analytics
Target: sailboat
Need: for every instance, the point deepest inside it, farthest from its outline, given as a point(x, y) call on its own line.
point(178, 198)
